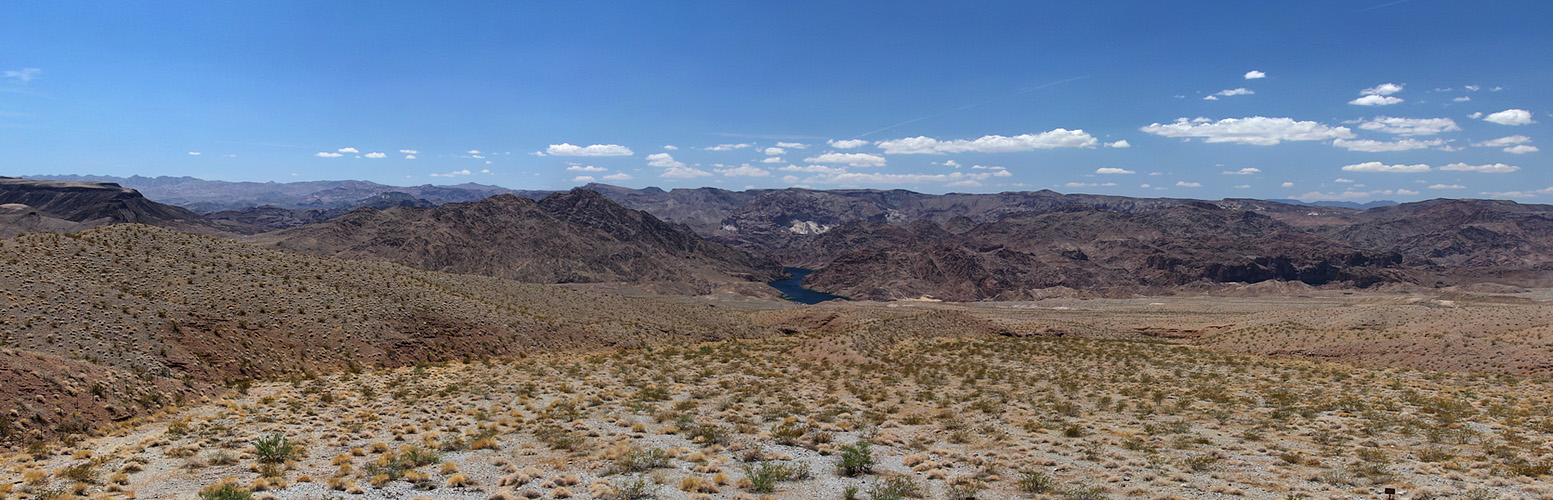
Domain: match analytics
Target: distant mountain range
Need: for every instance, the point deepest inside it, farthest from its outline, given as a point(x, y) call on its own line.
point(883, 243)
point(202, 195)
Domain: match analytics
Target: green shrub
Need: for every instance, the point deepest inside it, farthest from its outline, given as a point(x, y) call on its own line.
point(274, 448)
point(640, 460)
point(225, 491)
point(856, 459)
point(895, 487)
point(1033, 481)
point(764, 476)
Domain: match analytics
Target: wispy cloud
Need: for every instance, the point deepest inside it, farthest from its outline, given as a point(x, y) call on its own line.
point(566, 149)
point(853, 159)
point(1256, 130)
point(1375, 166)
point(1056, 138)
point(23, 75)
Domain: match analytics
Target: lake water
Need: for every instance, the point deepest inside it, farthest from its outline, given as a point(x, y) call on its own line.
point(794, 290)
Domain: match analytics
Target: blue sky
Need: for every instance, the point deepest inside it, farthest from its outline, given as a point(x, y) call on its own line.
point(1354, 100)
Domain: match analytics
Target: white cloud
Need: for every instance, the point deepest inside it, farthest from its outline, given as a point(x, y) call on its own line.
point(1341, 180)
point(1375, 100)
point(684, 173)
point(1254, 75)
point(409, 157)
point(1375, 166)
point(583, 178)
point(410, 151)
point(1229, 92)
point(1473, 88)
point(375, 154)
point(813, 169)
point(729, 147)
point(1495, 168)
point(23, 75)
point(774, 151)
point(671, 147)
point(566, 149)
point(847, 144)
point(348, 150)
point(996, 170)
point(1374, 146)
point(194, 153)
point(745, 170)
point(1409, 126)
point(1521, 149)
point(586, 168)
point(863, 179)
point(1288, 184)
point(1447, 186)
point(1188, 184)
point(792, 145)
point(1113, 170)
point(773, 159)
point(326, 154)
point(1510, 117)
point(1257, 130)
point(1517, 194)
point(1122, 144)
point(1462, 99)
point(1351, 194)
point(1242, 186)
point(1382, 89)
point(663, 160)
point(1503, 141)
point(853, 159)
point(1243, 171)
point(1476, 115)
point(622, 176)
point(454, 173)
point(1056, 138)
point(951, 163)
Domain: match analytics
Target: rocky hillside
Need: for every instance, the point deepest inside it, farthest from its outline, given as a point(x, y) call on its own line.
point(270, 217)
point(88, 204)
point(574, 237)
point(120, 320)
point(1088, 249)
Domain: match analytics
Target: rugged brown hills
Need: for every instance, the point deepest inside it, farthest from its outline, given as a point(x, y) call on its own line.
point(1085, 248)
point(574, 237)
point(89, 204)
point(119, 320)
point(270, 217)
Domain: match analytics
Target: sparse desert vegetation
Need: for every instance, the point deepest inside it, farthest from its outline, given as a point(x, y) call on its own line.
point(818, 415)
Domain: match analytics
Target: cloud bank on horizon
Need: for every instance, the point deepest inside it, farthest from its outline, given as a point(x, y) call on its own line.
point(998, 96)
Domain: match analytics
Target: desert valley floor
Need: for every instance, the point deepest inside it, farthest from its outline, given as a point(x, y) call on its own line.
point(1309, 394)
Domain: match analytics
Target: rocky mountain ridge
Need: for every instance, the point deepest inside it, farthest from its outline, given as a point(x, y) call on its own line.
point(573, 237)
